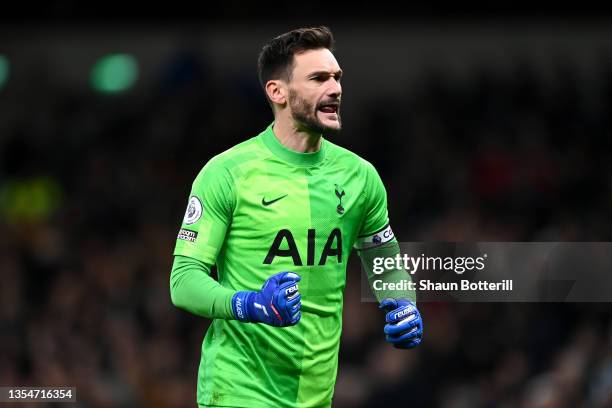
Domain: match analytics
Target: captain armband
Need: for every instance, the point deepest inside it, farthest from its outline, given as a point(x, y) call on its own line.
point(378, 238)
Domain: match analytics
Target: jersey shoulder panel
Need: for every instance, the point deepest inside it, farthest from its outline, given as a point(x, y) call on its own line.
point(232, 164)
point(351, 160)
point(238, 155)
point(342, 153)
point(212, 203)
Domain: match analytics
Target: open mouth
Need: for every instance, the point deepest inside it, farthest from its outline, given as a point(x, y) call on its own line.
point(329, 108)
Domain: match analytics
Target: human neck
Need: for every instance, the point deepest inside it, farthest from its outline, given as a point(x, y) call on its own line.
point(298, 140)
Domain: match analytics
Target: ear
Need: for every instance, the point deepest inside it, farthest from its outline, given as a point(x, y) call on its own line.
point(276, 91)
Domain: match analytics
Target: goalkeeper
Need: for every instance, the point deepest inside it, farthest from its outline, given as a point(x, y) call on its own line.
point(279, 214)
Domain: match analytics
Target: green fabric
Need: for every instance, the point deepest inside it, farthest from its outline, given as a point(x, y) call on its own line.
point(267, 209)
point(192, 289)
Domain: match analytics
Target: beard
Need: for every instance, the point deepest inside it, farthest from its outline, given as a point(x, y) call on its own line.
point(305, 114)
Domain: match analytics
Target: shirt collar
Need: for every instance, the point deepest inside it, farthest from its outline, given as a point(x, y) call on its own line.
point(291, 156)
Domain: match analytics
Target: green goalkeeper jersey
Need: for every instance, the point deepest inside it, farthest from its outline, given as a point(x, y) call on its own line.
point(258, 209)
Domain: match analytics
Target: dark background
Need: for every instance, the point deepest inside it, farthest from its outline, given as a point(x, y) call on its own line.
point(485, 124)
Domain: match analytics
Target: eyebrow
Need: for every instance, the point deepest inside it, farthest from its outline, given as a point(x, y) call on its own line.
point(320, 73)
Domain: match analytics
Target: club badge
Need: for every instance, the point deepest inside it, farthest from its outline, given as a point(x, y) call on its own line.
point(339, 193)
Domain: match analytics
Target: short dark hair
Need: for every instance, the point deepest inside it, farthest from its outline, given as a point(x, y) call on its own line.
point(275, 60)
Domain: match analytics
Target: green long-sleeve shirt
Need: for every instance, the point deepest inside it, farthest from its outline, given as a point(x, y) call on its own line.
point(256, 210)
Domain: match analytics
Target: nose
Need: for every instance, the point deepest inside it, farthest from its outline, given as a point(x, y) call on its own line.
point(335, 89)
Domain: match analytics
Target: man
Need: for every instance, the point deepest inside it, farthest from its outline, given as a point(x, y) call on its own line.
point(284, 207)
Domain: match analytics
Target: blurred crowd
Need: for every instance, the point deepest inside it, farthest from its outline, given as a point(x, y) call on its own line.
point(93, 189)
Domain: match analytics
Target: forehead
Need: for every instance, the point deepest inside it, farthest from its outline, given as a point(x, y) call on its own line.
point(314, 61)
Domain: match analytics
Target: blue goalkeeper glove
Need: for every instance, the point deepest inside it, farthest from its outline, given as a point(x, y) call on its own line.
point(404, 328)
point(278, 303)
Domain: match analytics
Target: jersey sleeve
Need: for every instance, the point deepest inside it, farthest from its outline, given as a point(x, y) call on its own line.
point(392, 277)
point(208, 215)
point(376, 240)
point(194, 290)
point(375, 229)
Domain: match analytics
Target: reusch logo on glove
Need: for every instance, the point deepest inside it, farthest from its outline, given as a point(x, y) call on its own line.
point(292, 292)
point(403, 313)
point(239, 310)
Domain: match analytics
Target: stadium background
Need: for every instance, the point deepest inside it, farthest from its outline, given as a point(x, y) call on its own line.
point(487, 125)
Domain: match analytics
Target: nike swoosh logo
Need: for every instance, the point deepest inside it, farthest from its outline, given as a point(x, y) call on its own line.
point(267, 203)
